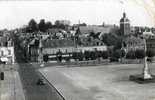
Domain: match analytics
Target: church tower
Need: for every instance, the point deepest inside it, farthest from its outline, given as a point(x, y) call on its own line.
point(124, 25)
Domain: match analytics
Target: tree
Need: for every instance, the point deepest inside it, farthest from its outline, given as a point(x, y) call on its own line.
point(123, 53)
point(95, 35)
point(32, 26)
point(61, 24)
point(80, 56)
point(83, 24)
point(140, 54)
point(93, 55)
point(112, 40)
point(57, 23)
point(45, 58)
point(150, 53)
point(105, 54)
point(118, 44)
point(75, 55)
point(117, 54)
point(130, 55)
point(42, 26)
point(48, 25)
point(99, 53)
point(87, 55)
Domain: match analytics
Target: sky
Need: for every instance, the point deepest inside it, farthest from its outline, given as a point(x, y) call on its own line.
point(15, 14)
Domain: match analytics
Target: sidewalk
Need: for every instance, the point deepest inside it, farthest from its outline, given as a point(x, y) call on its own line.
point(11, 87)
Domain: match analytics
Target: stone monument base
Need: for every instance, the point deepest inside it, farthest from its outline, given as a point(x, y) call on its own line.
point(139, 78)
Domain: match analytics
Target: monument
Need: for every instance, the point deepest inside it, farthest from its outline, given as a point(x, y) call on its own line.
point(146, 76)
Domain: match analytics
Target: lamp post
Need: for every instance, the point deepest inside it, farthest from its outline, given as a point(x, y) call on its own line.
point(41, 52)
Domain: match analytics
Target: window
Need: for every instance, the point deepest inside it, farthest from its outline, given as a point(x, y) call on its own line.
point(9, 52)
point(2, 53)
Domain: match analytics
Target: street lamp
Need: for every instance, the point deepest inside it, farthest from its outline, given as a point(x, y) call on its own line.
point(41, 52)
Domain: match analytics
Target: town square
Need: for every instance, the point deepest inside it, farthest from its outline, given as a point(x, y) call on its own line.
point(77, 50)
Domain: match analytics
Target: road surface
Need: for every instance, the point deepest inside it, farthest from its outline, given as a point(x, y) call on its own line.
point(29, 77)
point(107, 82)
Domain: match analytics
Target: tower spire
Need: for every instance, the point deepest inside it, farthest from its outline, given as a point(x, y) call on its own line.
point(124, 14)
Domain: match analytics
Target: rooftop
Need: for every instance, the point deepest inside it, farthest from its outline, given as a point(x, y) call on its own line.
point(95, 29)
point(54, 43)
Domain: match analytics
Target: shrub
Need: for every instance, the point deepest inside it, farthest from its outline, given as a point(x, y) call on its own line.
point(99, 54)
point(113, 59)
point(104, 54)
point(117, 54)
point(140, 54)
point(45, 58)
point(75, 56)
point(93, 55)
point(150, 53)
point(87, 55)
point(130, 55)
point(80, 56)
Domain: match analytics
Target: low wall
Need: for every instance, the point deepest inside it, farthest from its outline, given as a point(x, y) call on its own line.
point(54, 90)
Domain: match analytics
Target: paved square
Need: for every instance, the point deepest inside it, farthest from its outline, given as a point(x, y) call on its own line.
point(107, 82)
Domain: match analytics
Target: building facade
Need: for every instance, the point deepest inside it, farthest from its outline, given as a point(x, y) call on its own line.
point(33, 50)
point(38, 49)
point(7, 50)
point(134, 43)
